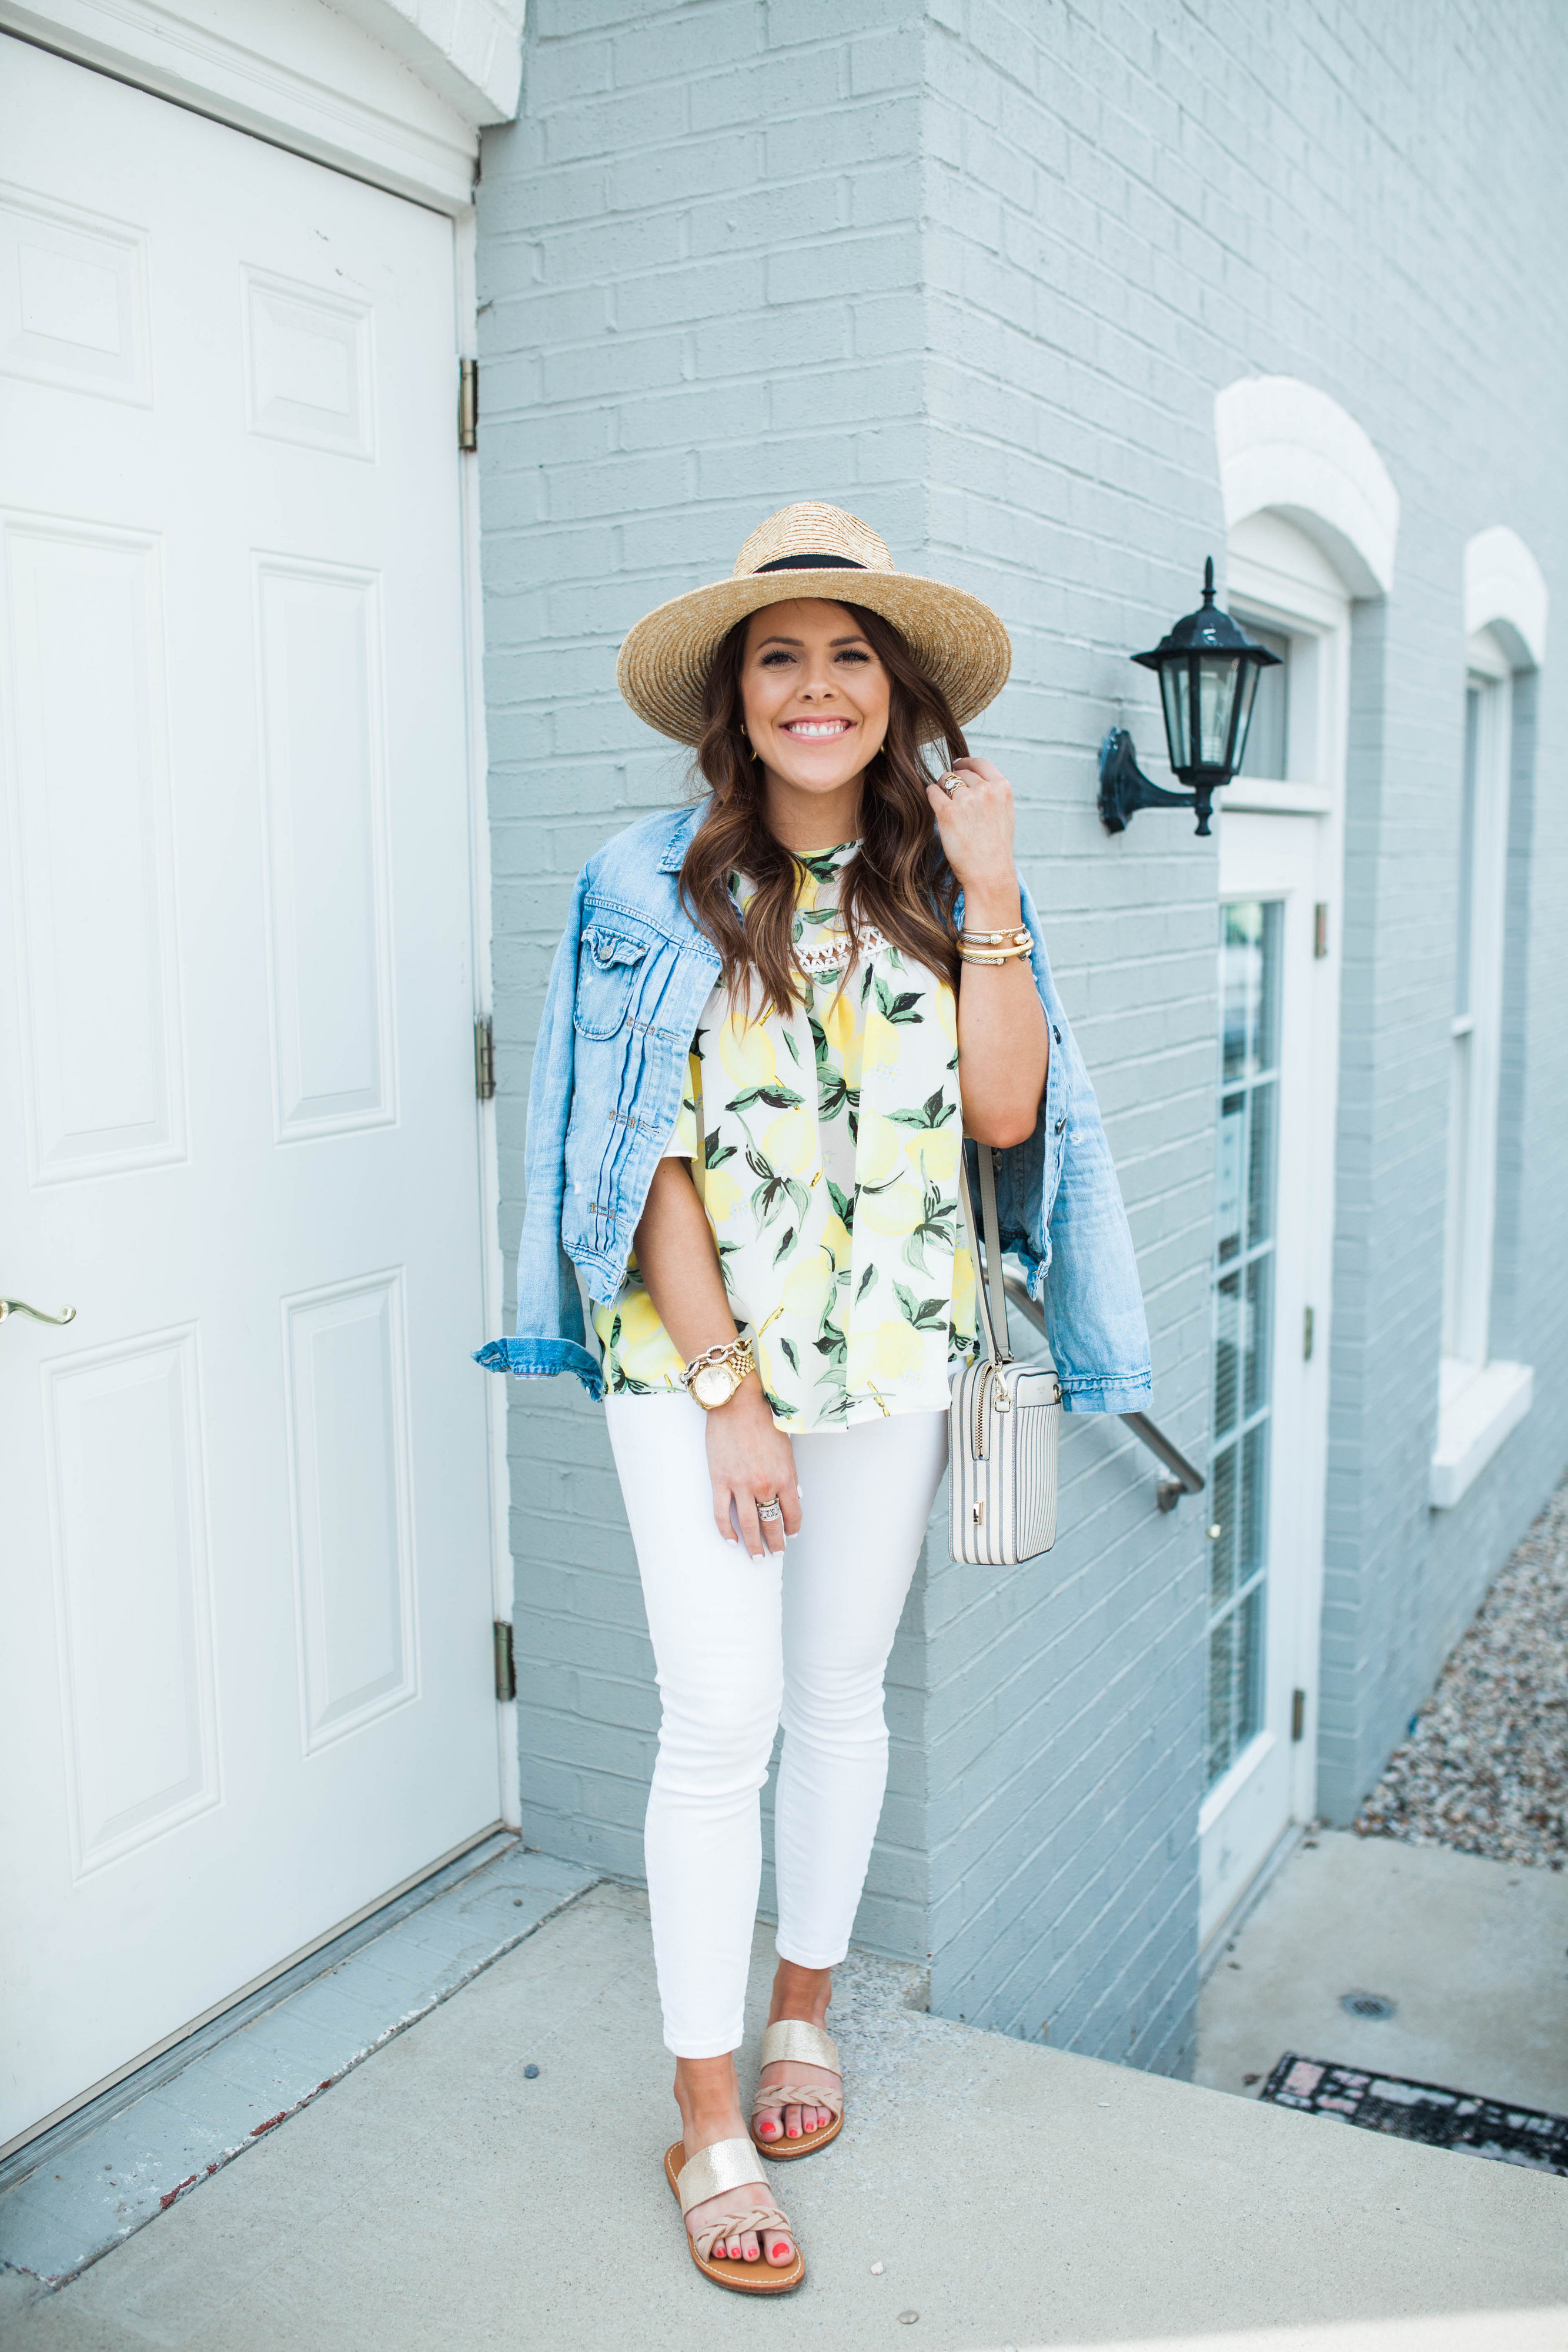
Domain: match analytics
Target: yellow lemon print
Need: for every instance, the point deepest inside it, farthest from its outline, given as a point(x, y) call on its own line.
point(646, 1351)
point(722, 1196)
point(900, 1349)
point(897, 1209)
point(746, 1051)
point(963, 1309)
point(879, 1154)
point(839, 1020)
point(639, 1319)
point(853, 1054)
point(935, 1151)
point(891, 1350)
point(789, 1143)
point(879, 1045)
point(807, 1287)
point(837, 1243)
point(946, 1005)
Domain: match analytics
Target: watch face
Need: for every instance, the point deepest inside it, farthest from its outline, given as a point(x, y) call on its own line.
point(713, 1385)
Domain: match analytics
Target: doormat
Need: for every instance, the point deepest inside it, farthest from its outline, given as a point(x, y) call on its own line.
point(1423, 2111)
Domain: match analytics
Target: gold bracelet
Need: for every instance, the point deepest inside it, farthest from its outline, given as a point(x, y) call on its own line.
point(992, 955)
point(1018, 937)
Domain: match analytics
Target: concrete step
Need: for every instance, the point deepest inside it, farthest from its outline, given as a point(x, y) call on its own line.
point(1005, 2194)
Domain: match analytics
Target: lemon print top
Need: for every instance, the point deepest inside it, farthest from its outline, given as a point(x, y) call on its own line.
point(826, 1156)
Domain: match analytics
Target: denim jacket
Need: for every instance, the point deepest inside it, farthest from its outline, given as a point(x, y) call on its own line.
point(630, 980)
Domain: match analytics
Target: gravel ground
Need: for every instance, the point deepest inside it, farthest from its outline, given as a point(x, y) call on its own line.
point(1486, 1768)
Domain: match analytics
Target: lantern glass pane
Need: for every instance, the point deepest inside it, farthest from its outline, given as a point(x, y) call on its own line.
point(1215, 701)
point(1245, 700)
point(1173, 689)
point(1266, 743)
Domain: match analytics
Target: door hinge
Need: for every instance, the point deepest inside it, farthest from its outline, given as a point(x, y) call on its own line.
point(468, 406)
point(1298, 1712)
point(1308, 1320)
point(484, 1058)
point(1320, 928)
point(506, 1662)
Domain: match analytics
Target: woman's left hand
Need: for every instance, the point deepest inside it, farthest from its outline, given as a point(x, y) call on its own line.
point(976, 822)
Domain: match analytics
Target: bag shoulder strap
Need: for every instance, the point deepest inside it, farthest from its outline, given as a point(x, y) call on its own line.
point(990, 1297)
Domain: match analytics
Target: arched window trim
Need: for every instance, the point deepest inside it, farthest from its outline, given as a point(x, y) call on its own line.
point(1506, 593)
point(1287, 446)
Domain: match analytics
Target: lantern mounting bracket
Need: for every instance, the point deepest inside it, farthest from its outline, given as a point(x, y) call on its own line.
point(1125, 788)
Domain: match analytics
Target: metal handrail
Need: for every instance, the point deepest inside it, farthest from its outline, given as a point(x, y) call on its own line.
point(1185, 1479)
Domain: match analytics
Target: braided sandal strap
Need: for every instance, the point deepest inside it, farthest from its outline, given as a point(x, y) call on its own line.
point(798, 2095)
point(795, 2042)
point(756, 2217)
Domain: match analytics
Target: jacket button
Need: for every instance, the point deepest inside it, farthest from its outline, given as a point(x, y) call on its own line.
point(1060, 1125)
point(1056, 1033)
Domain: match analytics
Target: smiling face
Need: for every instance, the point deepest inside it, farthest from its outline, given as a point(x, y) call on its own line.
point(815, 697)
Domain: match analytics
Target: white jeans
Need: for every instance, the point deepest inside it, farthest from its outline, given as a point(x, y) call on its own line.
point(736, 1642)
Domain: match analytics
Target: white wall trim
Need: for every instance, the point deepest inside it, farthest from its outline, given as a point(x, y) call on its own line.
point(366, 86)
point(1505, 592)
point(1286, 446)
point(469, 51)
point(1472, 1424)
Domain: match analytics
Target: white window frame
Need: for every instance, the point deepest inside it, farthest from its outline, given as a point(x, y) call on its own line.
point(1278, 579)
point(1479, 1401)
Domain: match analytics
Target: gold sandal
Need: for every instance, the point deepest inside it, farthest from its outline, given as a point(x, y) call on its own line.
point(729, 2164)
point(793, 2041)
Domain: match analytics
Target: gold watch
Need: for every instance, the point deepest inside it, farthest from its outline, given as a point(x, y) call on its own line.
point(713, 1377)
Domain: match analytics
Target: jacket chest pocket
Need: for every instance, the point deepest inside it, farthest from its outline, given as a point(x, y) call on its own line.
point(607, 966)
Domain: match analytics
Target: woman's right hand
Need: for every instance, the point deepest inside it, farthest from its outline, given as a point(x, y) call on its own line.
point(750, 1461)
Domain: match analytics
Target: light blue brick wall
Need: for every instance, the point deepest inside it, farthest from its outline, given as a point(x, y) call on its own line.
point(978, 272)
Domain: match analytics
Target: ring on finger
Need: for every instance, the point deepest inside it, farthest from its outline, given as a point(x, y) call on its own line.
point(950, 782)
point(773, 1510)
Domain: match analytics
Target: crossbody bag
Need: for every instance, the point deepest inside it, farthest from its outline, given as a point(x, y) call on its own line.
point(1003, 1421)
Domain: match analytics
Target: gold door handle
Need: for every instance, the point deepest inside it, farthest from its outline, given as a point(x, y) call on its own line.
point(20, 1306)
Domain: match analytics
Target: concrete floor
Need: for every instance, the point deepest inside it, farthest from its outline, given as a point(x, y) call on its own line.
point(1013, 2196)
point(1474, 1954)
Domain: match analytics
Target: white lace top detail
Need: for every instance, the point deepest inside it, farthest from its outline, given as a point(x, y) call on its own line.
point(833, 953)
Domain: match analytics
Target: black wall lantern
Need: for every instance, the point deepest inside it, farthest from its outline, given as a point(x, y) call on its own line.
point(1208, 670)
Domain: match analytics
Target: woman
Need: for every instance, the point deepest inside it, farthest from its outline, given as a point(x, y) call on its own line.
point(770, 1023)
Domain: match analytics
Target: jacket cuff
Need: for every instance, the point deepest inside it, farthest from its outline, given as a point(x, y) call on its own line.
point(1129, 1393)
point(540, 1360)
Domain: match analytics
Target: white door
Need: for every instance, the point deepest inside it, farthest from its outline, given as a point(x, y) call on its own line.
point(1281, 835)
point(245, 1685)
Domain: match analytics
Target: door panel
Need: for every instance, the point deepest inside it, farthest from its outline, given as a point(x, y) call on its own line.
point(246, 1684)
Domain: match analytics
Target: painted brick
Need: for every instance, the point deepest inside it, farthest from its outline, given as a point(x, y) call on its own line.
point(978, 269)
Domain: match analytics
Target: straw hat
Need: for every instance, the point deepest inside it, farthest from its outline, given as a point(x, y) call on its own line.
point(811, 550)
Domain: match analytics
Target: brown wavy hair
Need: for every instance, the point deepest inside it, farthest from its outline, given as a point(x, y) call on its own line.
point(898, 880)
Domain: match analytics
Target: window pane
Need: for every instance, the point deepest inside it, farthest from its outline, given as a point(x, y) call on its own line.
point(1230, 1165)
point(1249, 950)
point(1226, 1353)
point(1266, 1036)
point(1259, 1324)
point(1268, 738)
point(1254, 1499)
point(1222, 1551)
point(1261, 1164)
point(1240, 954)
